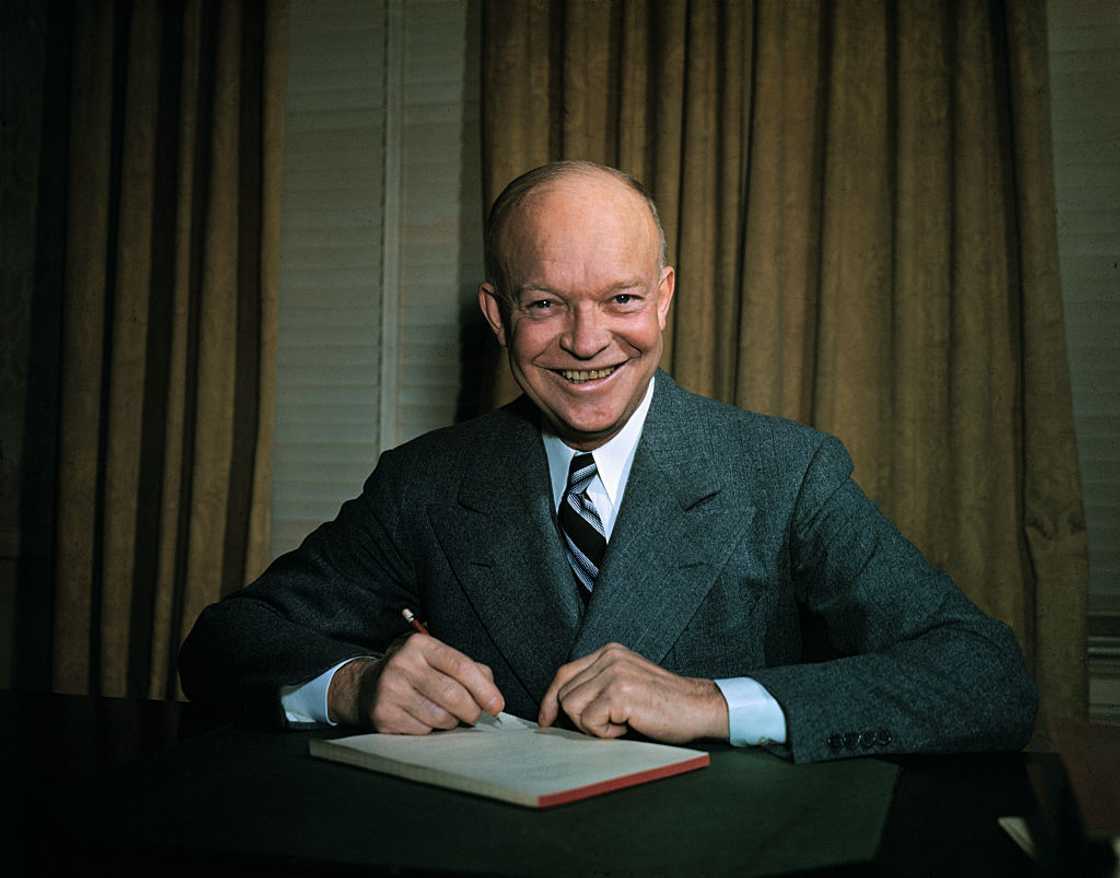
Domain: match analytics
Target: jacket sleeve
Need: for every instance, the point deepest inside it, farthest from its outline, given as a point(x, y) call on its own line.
point(337, 596)
point(920, 667)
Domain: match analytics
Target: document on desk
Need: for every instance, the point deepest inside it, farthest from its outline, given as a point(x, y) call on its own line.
point(514, 760)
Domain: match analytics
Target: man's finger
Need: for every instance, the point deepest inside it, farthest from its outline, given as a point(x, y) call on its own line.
point(393, 719)
point(471, 681)
point(590, 667)
point(401, 708)
point(448, 694)
point(602, 716)
point(581, 678)
point(590, 700)
point(550, 703)
point(430, 714)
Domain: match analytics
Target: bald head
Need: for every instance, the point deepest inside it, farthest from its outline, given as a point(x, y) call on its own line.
point(510, 206)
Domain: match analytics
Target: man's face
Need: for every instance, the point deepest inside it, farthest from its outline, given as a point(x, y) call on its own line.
point(589, 303)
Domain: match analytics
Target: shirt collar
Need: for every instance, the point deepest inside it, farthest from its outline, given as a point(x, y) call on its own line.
point(612, 458)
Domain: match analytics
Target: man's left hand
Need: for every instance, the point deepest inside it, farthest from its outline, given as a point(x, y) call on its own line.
point(613, 690)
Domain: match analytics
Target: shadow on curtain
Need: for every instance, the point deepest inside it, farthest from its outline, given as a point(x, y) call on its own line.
point(168, 329)
point(859, 198)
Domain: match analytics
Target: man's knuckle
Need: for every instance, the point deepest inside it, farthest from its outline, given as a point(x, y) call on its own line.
point(448, 692)
point(381, 717)
point(458, 665)
point(615, 652)
point(444, 720)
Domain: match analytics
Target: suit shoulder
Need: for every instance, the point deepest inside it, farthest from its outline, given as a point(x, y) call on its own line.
point(725, 423)
point(442, 453)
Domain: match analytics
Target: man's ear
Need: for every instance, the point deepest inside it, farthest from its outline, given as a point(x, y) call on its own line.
point(665, 290)
point(491, 307)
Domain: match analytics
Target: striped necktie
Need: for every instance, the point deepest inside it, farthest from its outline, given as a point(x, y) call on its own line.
point(584, 536)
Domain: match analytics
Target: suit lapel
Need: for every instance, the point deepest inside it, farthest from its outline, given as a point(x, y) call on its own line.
point(500, 538)
point(678, 524)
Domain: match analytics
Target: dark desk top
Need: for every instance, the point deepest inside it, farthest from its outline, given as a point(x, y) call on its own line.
point(115, 785)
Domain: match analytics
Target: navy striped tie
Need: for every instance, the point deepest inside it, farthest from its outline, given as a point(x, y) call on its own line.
point(584, 536)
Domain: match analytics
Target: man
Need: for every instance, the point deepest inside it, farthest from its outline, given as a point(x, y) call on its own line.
point(612, 551)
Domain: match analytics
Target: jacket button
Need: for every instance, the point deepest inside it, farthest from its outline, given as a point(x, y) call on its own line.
point(851, 739)
point(867, 740)
point(884, 738)
point(835, 742)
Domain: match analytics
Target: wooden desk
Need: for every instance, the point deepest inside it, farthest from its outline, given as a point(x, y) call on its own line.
point(112, 785)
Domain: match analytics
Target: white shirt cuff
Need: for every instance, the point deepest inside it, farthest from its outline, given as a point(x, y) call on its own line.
point(307, 702)
point(754, 717)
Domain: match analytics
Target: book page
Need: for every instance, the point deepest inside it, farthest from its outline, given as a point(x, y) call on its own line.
point(503, 722)
point(510, 758)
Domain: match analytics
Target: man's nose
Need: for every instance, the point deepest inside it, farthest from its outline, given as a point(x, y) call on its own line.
point(586, 333)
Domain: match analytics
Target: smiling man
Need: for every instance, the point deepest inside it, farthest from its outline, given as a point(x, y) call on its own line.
point(611, 551)
point(580, 294)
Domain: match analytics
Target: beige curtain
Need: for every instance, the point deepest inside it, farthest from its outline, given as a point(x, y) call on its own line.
point(169, 323)
point(859, 198)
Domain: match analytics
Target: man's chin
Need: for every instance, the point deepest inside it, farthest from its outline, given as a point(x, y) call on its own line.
point(585, 434)
point(584, 426)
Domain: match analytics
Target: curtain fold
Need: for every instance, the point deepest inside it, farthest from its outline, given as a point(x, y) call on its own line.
point(168, 337)
point(859, 201)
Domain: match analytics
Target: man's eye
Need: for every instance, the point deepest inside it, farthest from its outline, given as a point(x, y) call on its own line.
point(539, 305)
point(625, 299)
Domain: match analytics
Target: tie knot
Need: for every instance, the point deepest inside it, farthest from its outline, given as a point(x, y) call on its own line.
point(580, 473)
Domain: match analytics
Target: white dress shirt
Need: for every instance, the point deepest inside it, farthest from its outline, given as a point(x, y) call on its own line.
point(754, 716)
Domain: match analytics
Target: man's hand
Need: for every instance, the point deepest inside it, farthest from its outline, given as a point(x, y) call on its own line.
point(421, 684)
point(613, 690)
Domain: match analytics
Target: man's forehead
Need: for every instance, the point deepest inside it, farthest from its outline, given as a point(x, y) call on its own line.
point(590, 189)
point(592, 212)
point(556, 263)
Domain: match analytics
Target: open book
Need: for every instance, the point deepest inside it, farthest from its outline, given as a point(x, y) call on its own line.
point(514, 760)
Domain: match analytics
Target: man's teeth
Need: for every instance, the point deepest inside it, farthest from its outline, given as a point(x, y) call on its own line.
point(578, 375)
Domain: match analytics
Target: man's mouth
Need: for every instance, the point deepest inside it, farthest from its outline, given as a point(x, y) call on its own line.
point(579, 376)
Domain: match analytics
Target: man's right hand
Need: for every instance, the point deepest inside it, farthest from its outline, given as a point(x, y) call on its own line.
point(419, 685)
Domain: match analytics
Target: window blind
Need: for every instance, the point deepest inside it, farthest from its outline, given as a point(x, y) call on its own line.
point(441, 210)
point(382, 247)
point(327, 369)
point(1085, 100)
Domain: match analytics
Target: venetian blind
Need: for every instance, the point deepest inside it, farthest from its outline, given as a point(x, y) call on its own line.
point(328, 348)
point(441, 210)
point(381, 241)
point(1085, 85)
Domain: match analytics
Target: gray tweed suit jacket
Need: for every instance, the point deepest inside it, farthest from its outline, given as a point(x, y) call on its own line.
point(737, 533)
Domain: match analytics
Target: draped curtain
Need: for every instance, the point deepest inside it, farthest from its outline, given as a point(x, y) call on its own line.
point(859, 201)
point(168, 329)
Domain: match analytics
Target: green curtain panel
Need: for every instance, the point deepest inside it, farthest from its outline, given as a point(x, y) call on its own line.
point(169, 326)
point(859, 202)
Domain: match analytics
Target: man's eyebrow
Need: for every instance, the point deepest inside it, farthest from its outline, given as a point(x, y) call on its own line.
point(536, 288)
point(625, 285)
point(532, 287)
